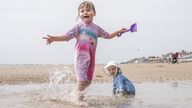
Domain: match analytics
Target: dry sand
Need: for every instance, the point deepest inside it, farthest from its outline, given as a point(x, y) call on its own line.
point(161, 72)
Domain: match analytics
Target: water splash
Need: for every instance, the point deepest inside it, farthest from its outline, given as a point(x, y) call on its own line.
point(61, 89)
point(60, 75)
point(59, 85)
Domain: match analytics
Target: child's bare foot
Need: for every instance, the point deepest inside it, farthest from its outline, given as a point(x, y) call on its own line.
point(80, 96)
point(83, 103)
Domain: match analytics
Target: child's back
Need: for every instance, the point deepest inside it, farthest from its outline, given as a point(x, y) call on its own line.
point(122, 84)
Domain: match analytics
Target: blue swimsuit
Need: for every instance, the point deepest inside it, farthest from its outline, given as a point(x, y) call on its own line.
point(122, 84)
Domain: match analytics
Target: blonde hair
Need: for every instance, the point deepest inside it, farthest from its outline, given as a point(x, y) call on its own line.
point(88, 5)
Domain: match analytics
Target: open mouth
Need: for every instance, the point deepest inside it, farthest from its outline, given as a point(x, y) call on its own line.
point(86, 17)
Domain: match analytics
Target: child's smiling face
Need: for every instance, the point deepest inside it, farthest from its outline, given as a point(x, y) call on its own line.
point(112, 70)
point(86, 14)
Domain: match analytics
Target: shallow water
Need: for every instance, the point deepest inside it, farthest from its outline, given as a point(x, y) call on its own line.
point(58, 93)
point(148, 95)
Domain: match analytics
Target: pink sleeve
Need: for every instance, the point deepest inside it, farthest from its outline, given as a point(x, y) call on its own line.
point(74, 32)
point(102, 33)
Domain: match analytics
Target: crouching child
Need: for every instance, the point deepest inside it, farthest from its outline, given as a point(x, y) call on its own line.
point(122, 86)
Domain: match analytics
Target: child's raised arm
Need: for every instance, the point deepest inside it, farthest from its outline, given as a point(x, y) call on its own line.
point(113, 34)
point(50, 39)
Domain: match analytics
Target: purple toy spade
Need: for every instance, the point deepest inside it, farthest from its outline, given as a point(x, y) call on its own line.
point(133, 28)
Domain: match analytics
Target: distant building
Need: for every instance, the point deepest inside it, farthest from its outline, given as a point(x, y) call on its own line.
point(183, 56)
point(153, 59)
point(137, 60)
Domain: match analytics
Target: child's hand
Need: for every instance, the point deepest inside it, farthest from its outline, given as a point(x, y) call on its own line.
point(120, 94)
point(49, 39)
point(122, 30)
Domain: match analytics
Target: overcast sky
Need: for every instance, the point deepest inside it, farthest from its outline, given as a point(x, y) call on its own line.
point(163, 26)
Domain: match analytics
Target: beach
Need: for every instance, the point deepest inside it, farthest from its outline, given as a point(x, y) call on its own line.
point(159, 85)
point(137, 73)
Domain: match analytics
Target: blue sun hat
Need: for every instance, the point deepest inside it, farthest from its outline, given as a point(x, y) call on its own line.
point(110, 63)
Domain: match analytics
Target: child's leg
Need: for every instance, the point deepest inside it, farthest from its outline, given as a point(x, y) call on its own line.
point(81, 86)
point(84, 67)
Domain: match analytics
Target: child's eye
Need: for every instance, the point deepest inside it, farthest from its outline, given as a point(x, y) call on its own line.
point(82, 11)
point(88, 10)
point(112, 69)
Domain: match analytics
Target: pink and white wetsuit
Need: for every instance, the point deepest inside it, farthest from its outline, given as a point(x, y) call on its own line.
point(86, 36)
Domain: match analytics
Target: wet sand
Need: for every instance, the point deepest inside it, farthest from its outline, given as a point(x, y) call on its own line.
point(157, 72)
